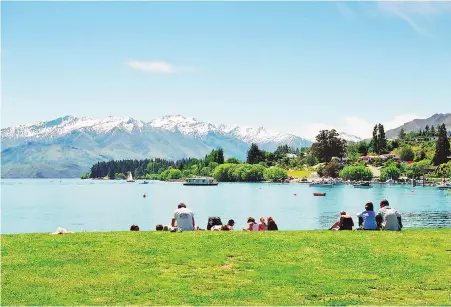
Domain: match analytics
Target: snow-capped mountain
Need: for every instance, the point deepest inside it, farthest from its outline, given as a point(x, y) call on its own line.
point(67, 146)
point(349, 137)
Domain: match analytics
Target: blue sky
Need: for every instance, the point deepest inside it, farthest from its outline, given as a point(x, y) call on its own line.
point(293, 66)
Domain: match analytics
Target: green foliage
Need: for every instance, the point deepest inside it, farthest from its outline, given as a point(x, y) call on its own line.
point(120, 176)
point(442, 148)
point(356, 173)
point(232, 160)
point(239, 172)
point(216, 155)
point(418, 169)
point(328, 145)
point(310, 160)
point(379, 141)
point(390, 172)
point(171, 173)
point(85, 176)
point(407, 154)
point(328, 170)
point(402, 134)
point(275, 174)
point(444, 170)
point(255, 155)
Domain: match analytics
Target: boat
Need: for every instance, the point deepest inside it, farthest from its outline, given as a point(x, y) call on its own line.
point(444, 186)
point(319, 194)
point(130, 177)
point(362, 185)
point(199, 181)
point(324, 184)
point(145, 182)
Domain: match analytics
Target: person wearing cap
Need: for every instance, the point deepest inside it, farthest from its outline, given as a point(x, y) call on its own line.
point(388, 218)
point(183, 218)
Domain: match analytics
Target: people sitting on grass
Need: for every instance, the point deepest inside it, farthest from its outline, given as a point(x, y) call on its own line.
point(165, 228)
point(134, 228)
point(367, 218)
point(228, 226)
point(344, 222)
point(183, 218)
point(388, 218)
point(159, 227)
point(262, 225)
point(251, 225)
point(214, 223)
point(272, 224)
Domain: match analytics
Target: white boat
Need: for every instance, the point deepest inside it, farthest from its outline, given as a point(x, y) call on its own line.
point(130, 177)
point(321, 184)
point(444, 186)
point(198, 181)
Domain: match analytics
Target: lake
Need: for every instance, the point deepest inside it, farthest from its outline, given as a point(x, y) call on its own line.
point(41, 205)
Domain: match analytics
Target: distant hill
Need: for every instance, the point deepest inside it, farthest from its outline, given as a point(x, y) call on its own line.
point(417, 124)
point(69, 146)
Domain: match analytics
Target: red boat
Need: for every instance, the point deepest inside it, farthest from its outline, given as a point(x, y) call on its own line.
point(319, 194)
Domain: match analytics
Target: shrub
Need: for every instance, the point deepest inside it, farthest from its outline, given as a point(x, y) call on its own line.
point(407, 154)
point(390, 172)
point(275, 173)
point(356, 173)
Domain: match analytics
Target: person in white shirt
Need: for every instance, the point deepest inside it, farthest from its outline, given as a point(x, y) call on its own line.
point(388, 218)
point(183, 218)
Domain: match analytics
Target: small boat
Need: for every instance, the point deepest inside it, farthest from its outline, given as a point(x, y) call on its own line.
point(444, 186)
point(362, 185)
point(319, 194)
point(145, 182)
point(198, 181)
point(130, 177)
point(321, 184)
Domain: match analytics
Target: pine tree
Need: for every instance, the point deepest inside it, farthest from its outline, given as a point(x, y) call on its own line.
point(254, 155)
point(442, 149)
point(382, 146)
point(432, 131)
point(375, 142)
point(426, 130)
point(402, 134)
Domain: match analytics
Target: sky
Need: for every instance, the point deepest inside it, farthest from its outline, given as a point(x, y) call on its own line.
point(294, 67)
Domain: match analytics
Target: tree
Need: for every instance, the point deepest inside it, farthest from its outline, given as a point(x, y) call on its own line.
point(390, 172)
point(329, 170)
point(407, 154)
point(426, 130)
point(382, 140)
point(363, 148)
point(418, 169)
point(432, 131)
point(275, 174)
point(442, 149)
point(375, 140)
point(232, 160)
point(356, 173)
point(328, 145)
point(255, 155)
point(402, 134)
point(310, 160)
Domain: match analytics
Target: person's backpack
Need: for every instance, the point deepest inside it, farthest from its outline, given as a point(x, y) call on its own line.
point(213, 221)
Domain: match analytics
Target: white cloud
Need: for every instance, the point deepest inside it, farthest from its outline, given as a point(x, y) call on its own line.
point(356, 126)
point(161, 67)
point(410, 11)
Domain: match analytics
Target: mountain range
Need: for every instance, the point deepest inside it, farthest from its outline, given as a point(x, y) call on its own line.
point(69, 146)
point(417, 124)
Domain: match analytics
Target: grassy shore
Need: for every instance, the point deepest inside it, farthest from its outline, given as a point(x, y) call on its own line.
point(411, 267)
point(299, 174)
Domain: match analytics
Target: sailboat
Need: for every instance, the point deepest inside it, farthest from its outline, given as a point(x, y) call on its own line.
point(130, 177)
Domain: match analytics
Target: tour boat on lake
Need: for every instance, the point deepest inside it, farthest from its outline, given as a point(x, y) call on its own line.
point(198, 181)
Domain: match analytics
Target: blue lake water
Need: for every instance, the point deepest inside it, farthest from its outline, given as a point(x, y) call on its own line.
point(41, 205)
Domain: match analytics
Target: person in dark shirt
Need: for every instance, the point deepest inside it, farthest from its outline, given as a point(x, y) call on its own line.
point(345, 222)
point(272, 224)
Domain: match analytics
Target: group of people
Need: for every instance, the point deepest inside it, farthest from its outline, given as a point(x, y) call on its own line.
point(183, 220)
point(386, 218)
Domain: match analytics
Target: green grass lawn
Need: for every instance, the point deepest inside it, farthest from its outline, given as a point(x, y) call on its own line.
point(412, 267)
point(299, 174)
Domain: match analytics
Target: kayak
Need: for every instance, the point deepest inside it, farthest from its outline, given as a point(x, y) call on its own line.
point(319, 194)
